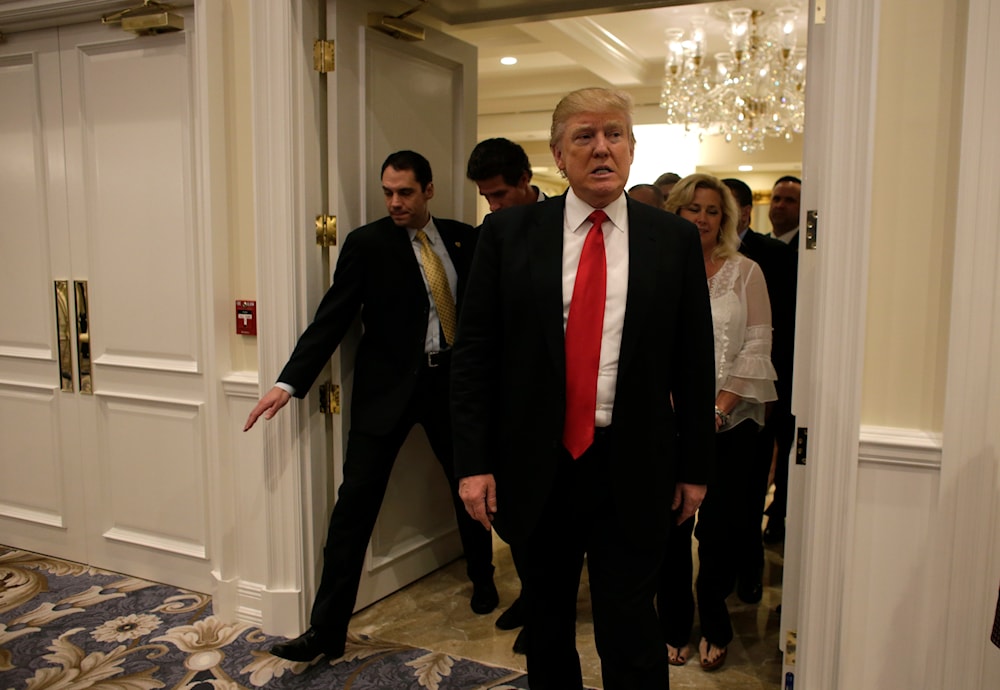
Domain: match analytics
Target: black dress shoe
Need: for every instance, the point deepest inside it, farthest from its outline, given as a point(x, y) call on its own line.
point(750, 590)
point(307, 646)
point(521, 642)
point(513, 617)
point(484, 597)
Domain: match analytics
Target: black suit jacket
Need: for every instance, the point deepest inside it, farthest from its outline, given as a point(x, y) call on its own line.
point(377, 274)
point(779, 264)
point(509, 367)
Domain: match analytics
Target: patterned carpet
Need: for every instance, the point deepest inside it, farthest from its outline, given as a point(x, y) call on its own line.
point(65, 625)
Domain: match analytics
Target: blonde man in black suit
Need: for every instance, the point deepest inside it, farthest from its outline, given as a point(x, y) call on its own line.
point(582, 394)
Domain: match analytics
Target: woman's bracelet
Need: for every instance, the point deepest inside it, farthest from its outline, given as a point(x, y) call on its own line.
point(723, 417)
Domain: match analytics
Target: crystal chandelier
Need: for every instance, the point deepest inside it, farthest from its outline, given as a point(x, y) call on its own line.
point(755, 91)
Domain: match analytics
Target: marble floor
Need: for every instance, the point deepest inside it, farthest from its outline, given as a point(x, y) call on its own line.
point(434, 613)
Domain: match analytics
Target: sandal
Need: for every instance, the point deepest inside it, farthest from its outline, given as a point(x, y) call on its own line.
point(678, 656)
point(705, 649)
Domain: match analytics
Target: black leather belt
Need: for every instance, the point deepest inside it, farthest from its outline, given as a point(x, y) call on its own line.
point(437, 359)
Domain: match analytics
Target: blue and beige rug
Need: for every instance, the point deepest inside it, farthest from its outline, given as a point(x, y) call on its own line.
point(65, 625)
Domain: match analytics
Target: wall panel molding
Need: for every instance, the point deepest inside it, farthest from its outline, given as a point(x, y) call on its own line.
point(156, 542)
point(900, 447)
point(38, 517)
point(241, 384)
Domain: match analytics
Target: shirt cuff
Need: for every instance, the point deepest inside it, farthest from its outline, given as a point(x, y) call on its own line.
point(286, 387)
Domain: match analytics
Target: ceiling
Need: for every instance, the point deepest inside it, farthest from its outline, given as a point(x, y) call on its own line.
point(562, 45)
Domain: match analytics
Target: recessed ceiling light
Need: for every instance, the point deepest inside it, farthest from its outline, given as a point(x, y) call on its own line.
point(745, 168)
point(508, 60)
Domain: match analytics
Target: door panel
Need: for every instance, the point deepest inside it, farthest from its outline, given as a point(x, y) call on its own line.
point(112, 476)
point(387, 95)
point(425, 124)
point(128, 133)
point(164, 435)
point(130, 185)
point(41, 506)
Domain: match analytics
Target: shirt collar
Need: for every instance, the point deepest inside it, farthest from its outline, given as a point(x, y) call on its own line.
point(577, 211)
point(429, 230)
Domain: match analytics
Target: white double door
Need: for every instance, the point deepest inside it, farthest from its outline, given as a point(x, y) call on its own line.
point(103, 336)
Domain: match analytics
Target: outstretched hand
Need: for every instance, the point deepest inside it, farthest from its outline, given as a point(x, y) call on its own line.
point(274, 400)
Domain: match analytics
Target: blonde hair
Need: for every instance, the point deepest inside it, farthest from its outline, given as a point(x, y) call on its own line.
point(728, 242)
point(590, 100)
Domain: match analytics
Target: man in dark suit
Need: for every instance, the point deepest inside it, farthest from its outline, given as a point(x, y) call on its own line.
point(777, 263)
point(582, 395)
point(405, 274)
point(784, 216)
point(784, 210)
point(502, 173)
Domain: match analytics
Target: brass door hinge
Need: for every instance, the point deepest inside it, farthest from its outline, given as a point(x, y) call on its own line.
point(326, 230)
point(800, 445)
point(329, 398)
point(323, 59)
point(812, 229)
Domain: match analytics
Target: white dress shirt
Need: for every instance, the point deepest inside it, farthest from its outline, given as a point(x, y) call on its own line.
point(615, 229)
point(788, 237)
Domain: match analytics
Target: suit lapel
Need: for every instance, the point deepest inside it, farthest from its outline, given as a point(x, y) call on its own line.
point(642, 239)
point(544, 240)
point(398, 241)
point(451, 242)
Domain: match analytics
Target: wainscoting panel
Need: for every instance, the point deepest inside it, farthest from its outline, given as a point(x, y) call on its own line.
point(888, 595)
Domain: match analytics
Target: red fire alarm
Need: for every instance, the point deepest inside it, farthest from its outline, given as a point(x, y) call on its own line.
point(246, 317)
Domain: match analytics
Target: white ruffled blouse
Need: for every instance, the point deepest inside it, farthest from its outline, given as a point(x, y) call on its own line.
point(741, 316)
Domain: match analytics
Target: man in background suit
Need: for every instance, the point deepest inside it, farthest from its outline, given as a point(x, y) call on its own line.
point(784, 210)
point(583, 393)
point(647, 194)
point(405, 274)
point(784, 216)
point(502, 173)
point(777, 263)
point(666, 182)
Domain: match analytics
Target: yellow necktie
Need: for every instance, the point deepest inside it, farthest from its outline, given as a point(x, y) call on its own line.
point(437, 279)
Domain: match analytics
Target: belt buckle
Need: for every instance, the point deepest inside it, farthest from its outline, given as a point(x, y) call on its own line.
point(432, 360)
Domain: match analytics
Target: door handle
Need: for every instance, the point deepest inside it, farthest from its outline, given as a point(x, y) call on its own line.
point(63, 335)
point(83, 337)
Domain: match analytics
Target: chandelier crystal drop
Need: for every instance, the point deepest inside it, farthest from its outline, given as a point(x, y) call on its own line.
point(754, 91)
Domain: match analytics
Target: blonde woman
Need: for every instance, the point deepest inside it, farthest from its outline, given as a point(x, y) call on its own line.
point(744, 382)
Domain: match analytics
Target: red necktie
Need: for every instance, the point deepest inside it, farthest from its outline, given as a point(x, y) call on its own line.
point(584, 328)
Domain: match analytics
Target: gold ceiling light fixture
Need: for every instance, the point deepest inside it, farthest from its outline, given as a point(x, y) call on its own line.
point(148, 19)
point(754, 91)
point(397, 26)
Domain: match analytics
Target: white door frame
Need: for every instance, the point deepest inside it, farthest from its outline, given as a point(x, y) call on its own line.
point(285, 140)
point(966, 553)
point(828, 373)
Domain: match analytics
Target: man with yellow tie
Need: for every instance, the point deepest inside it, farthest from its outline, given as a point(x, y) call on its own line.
point(405, 275)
